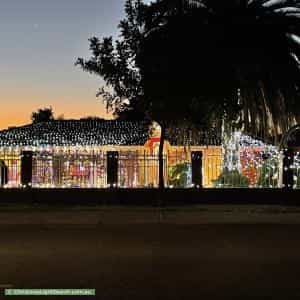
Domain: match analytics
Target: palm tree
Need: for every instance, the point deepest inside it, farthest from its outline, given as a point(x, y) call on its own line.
point(270, 80)
point(240, 60)
point(261, 44)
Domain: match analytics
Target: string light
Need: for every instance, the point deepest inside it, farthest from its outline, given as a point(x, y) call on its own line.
point(85, 139)
point(76, 133)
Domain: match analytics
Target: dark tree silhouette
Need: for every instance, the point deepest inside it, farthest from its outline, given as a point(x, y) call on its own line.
point(42, 115)
point(236, 59)
point(204, 61)
point(120, 65)
point(117, 64)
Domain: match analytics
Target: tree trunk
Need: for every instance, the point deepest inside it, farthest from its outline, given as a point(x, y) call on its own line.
point(264, 105)
point(161, 183)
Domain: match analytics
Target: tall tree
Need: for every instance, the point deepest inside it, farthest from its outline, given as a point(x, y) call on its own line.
point(116, 63)
point(42, 115)
point(119, 65)
point(237, 59)
point(205, 61)
point(122, 65)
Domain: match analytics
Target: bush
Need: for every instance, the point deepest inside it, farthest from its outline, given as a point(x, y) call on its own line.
point(269, 174)
point(231, 179)
point(178, 175)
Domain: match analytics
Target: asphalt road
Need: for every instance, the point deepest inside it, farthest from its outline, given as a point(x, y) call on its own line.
point(152, 261)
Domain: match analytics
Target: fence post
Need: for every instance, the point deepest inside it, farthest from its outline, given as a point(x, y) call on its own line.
point(280, 169)
point(3, 173)
point(112, 168)
point(57, 171)
point(145, 175)
point(197, 177)
point(26, 168)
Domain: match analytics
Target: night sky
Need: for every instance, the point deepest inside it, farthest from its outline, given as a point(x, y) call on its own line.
point(40, 41)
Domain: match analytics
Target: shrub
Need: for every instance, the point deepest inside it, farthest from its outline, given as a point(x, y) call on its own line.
point(231, 179)
point(178, 175)
point(268, 177)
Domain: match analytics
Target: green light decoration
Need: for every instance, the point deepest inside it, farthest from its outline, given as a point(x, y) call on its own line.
point(297, 171)
point(231, 179)
point(268, 177)
point(178, 175)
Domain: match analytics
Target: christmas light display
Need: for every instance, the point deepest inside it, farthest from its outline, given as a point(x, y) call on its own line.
point(72, 153)
point(193, 137)
point(76, 133)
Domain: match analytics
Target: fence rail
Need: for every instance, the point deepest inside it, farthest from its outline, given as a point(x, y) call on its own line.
point(136, 170)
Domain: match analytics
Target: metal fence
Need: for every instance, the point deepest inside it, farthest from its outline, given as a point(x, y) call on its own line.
point(79, 170)
point(10, 169)
point(69, 171)
point(136, 170)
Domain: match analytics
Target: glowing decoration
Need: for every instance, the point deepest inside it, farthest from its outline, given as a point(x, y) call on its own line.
point(231, 154)
point(73, 154)
point(76, 133)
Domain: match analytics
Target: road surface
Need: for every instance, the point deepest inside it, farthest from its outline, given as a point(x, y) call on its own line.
point(155, 261)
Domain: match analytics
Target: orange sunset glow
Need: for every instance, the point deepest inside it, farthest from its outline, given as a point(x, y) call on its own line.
point(19, 105)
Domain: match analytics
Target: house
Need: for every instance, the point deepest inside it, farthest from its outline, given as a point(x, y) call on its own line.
point(75, 153)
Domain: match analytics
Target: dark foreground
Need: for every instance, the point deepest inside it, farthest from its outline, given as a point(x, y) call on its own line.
point(151, 197)
point(155, 261)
